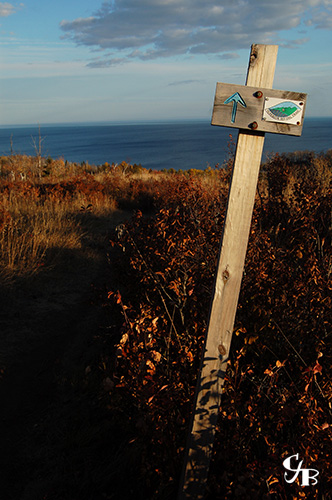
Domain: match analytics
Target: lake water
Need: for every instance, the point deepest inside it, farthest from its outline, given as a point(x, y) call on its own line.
point(178, 145)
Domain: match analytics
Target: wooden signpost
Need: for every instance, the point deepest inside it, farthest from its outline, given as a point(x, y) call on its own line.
point(255, 109)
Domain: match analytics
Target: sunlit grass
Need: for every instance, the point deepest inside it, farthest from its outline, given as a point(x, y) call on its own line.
point(44, 205)
point(35, 232)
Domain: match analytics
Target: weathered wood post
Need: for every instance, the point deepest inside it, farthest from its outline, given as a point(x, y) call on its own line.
point(255, 109)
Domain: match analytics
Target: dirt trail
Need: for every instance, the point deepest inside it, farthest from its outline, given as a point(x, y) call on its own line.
point(47, 323)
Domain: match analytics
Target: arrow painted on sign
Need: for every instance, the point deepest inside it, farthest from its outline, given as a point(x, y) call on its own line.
point(235, 99)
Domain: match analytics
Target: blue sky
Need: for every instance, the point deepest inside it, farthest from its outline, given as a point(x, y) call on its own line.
point(132, 60)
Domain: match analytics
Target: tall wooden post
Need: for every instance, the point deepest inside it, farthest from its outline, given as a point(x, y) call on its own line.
point(227, 286)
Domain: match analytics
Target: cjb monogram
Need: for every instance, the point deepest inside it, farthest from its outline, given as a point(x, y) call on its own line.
point(306, 475)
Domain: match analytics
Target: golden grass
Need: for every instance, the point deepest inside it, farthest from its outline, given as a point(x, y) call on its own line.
point(30, 232)
point(37, 222)
point(34, 233)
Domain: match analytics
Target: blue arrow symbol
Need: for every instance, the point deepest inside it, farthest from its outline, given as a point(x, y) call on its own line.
point(235, 98)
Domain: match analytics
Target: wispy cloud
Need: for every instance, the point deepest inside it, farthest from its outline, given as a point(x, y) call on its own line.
point(293, 44)
point(102, 62)
point(150, 29)
point(185, 82)
point(229, 55)
point(321, 14)
point(6, 9)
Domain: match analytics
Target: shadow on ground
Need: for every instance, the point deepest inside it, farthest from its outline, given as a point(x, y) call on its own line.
point(57, 442)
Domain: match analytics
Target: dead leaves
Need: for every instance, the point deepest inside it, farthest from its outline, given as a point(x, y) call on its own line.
point(278, 385)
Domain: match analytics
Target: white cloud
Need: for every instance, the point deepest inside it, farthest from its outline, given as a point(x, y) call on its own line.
point(229, 55)
point(6, 9)
point(149, 29)
point(185, 82)
point(293, 44)
point(105, 62)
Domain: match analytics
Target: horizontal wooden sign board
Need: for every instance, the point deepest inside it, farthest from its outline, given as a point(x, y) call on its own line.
point(259, 109)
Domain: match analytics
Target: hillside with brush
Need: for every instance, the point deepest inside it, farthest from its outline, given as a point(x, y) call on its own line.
point(106, 277)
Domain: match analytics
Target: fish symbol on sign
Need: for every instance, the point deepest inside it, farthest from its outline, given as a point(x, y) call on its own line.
point(284, 110)
point(235, 99)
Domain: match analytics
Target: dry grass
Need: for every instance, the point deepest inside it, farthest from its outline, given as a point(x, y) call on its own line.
point(301, 170)
point(35, 232)
point(30, 232)
point(44, 207)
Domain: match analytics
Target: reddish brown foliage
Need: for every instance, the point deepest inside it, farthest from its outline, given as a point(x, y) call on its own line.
point(278, 391)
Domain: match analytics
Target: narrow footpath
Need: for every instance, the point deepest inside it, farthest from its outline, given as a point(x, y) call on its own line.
point(47, 324)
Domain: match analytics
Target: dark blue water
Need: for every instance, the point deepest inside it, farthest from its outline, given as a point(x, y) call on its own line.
point(178, 145)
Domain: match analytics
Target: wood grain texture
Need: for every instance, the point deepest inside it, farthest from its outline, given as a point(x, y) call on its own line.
point(253, 112)
point(226, 289)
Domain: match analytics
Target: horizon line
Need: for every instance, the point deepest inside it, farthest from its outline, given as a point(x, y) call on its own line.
point(122, 122)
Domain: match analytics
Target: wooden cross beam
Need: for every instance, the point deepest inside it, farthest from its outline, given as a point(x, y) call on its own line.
point(255, 109)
